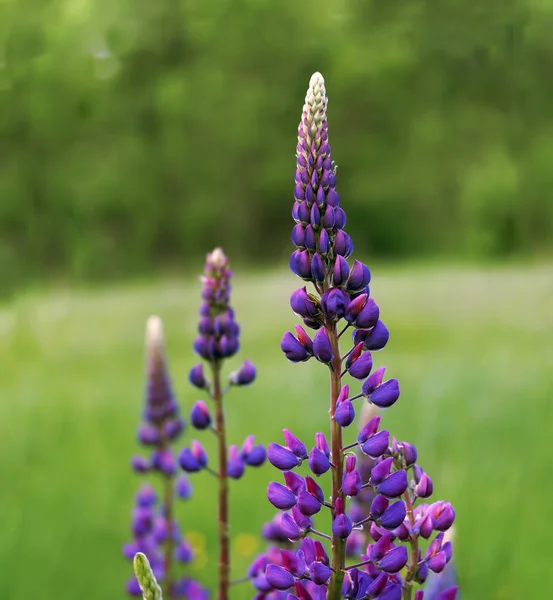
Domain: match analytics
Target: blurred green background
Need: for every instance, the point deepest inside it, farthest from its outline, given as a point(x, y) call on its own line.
point(135, 136)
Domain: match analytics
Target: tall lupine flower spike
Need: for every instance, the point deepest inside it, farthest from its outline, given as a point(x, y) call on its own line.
point(154, 528)
point(381, 474)
point(146, 578)
point(218, 339)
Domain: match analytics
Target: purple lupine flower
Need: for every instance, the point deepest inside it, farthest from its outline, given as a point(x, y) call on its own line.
point(374, 482)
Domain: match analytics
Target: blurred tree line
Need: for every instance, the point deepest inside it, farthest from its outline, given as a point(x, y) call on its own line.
point(140, 133)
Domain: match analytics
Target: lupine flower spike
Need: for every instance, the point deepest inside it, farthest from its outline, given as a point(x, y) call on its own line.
point(155, 530)
point(389, 512)
point(218, 339)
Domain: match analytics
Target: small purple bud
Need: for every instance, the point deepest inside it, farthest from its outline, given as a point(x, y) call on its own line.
point(377, 444)
point(437, 562)
point(315, 216)
point(409, 453)
point(235, 464)
point(319, 573)
point(322, 444)
point(332, 198)
point(302, 304)
point(342, 244)
point(394, 485)
point(280, 496)
point(394, 560)
point(201, 347)
point(345, 413)
point(341, 526)
point(254, 456)
point(421, 577)
point(324, 243)
point(341, 271)
point(200, 417)
point(443, 515)
point(295, 444)
point(359, 278)
point(289, 527)
point(378, 506)
point(317, 268)
point(426, 527)
point(278, 577)
point(322, 348)
point(424, 487)
point(419, 594)
point(355, 307)
point(308, 504)
point(314, 489)
point(334, 303)
point(394, 516)
point(282, 458)
point(362, 366)
point(368, 316)
point(373, 381)
point(375, 339)
point(299, 192)
point(188, 461)
point(300, 264)
point(183, 487)
point(328, 218)
point(339, 219)
point(386, 394)
point(369, 429)
point(196, 376)
point(310, 238)
point(298, 236)
point(140, 464)
point(146, 496)
point(352, 483)
point(245, 374)
point(199, 453)
point(318, 462)
point(292, 349)
point(381, 470)
point(303, 213)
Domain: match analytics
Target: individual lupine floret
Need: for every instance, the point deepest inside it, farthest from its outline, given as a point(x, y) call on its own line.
point(341, 294)
point(218, 339)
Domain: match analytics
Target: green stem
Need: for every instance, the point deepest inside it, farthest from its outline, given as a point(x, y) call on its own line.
point(224, 537)
point(169, 546)
point(414, 542)
point(338, 560)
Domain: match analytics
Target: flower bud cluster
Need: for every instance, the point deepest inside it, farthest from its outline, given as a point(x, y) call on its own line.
point(217, 330)
point(162, 422)
point(377, 468)
point(218, 340)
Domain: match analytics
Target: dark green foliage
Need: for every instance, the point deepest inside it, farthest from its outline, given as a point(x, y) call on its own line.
point(142, 133)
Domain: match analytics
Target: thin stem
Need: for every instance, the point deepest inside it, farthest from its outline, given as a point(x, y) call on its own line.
point(168, 497)
point(350, 446)
point(224, 537)
point(338, 545)
point(414, 542)
point(344, 331)
point(357, 565)
point(319, 533)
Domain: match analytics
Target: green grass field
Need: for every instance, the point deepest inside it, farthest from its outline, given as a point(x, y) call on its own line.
point(473, 350)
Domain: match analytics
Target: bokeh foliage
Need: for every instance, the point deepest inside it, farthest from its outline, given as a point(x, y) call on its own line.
point(140, 133)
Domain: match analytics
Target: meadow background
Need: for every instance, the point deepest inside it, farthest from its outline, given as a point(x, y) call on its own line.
point(137, 135)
